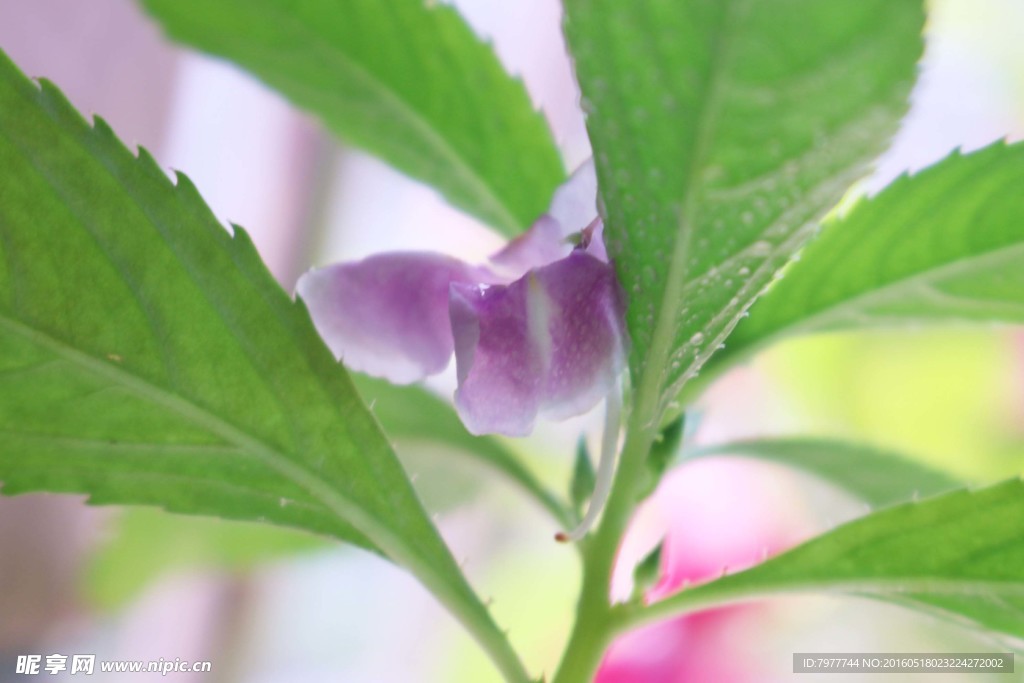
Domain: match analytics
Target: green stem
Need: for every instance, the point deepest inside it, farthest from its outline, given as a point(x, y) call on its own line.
point(597, 620)
point(590, 636)
point(595, 626)
point(504, 658)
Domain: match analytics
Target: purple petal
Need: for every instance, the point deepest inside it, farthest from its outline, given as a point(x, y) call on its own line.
point(573, 209)
point(542, 244)
point(550, 343)
point(387, 315)
point(574, 204)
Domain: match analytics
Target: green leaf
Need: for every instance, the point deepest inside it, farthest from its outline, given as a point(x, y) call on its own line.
point(415, 414)
point(663, 451)
point(148, 543)
point(943, 245)
point(405, 79)
point(876, 476)
point(997, 613)
point(723, 130)
point(647, 572)
point(584, 479)
point(961, 553)
point(148, 357)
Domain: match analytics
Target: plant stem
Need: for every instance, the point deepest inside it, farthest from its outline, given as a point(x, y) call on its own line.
point(590, 634)
point(597, 620)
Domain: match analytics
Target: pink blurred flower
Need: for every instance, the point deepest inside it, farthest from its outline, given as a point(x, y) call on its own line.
point(539, 330)
point(716, 514)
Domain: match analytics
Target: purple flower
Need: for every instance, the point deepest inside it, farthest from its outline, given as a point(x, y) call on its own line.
point(539, 330)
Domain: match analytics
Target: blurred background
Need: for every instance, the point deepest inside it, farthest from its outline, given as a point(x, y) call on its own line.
point(273, 606)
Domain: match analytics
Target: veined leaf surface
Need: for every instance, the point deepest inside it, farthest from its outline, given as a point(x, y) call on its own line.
point(147, 356)
point(723, 130)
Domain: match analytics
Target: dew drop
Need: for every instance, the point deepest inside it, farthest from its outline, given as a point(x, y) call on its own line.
point(697, 338)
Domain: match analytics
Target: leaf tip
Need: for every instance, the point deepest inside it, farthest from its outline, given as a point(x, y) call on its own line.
point(187, 190)
point(102, 128)
point(242, 237)
point(46, 86)
point(36, 83)
point(144, 156)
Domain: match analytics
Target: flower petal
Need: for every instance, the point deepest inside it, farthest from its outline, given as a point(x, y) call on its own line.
point(719, 513)
point(542, 244)
point(574, 204)
point(573, 208)
point(593, 240)
point(550, 343)
point(387, 315)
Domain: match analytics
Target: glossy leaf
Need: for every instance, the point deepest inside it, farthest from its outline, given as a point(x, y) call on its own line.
point(147, 356)
point(946, 244)
point(723, 131)
point(961, 553)
point(406, 80)
point(875, 476)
